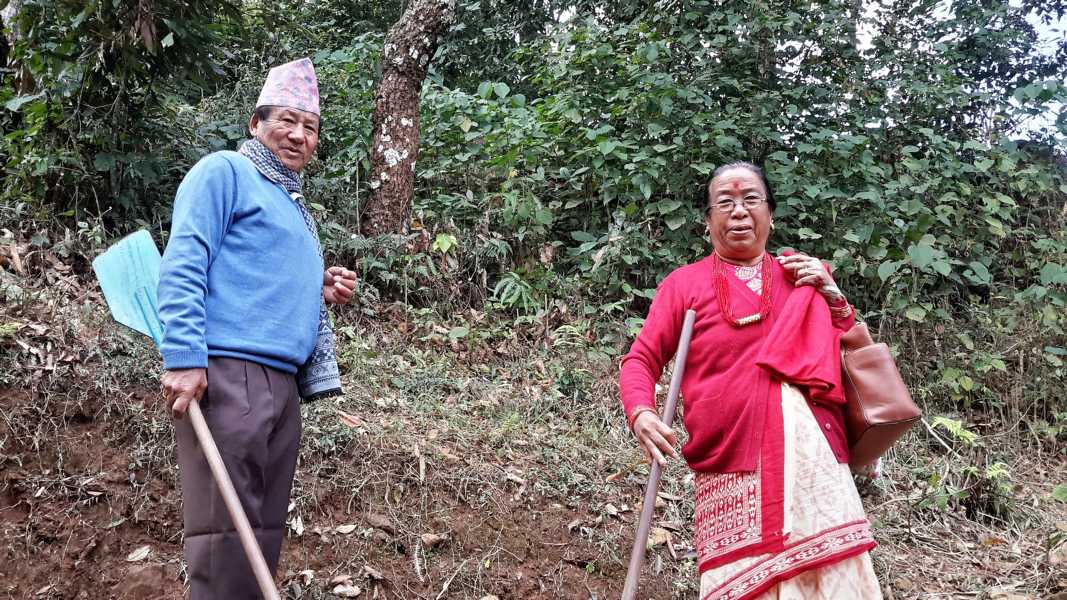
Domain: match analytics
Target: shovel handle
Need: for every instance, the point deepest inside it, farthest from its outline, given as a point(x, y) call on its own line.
point(233, 503)
point(637, 555)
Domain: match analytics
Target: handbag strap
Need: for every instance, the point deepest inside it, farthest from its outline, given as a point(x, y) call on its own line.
point(857, 337)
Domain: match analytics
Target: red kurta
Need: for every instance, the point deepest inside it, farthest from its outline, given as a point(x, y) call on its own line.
point(726, 394)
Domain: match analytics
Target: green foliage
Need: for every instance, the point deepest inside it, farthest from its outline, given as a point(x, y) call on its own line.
point(561, 163)
point(81, 105)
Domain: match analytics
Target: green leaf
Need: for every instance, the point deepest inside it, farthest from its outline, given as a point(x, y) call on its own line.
point(981, 273)
point(607, 146)
point(966, 340)
point(444, 242)
point(669, 206)
point(104, 161)
point(484, 89)
point(167, 40)
point(1059, 493)
point(921, 255)
point(501, 89)
point(916, 313)
point(1053, 274)
point(17, 102)
point(675, 221)
point(886, 269)
point(458, 332)
point(808, 234)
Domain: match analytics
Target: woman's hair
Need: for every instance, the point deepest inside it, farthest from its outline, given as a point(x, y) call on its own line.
point(704, 198)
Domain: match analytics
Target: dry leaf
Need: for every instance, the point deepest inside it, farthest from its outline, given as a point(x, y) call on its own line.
point(658, 536)
point(514, 478)
point(371, 573)
point(306, 576)
point(350, 420)
point(574, 524)
point(345, 529)
point(1058, 556)
point(609, 509)
point(452, 458)
point(341, 580)
point(346, 591)
point(139, 554)
point(674, 526)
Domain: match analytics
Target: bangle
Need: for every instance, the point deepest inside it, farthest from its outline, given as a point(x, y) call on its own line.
point(633, 416)
point(841, 312)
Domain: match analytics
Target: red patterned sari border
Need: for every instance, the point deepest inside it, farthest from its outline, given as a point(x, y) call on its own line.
point(821, 549)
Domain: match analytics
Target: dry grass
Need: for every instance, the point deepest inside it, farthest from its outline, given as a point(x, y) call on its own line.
point(496, 464)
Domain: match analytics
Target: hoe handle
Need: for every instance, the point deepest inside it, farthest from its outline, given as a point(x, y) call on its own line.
point(637, 555)
point(233, 504)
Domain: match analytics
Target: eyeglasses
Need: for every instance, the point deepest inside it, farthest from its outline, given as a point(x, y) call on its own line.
point(727, 206)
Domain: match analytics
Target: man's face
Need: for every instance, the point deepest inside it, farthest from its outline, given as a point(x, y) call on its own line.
point(290, 134)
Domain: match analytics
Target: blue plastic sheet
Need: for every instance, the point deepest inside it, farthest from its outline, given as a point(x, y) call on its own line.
point(129, 274)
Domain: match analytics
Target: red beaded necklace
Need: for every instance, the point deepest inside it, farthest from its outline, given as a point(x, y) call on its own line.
point(722, 289)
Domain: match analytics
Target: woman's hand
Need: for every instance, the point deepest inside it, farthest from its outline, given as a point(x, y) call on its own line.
point(655, 437)
point(808, 270)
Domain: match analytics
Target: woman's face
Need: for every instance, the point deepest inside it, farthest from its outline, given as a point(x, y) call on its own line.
point(739, 233)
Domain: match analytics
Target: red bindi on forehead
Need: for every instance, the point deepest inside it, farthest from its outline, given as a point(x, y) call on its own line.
point(736, 185)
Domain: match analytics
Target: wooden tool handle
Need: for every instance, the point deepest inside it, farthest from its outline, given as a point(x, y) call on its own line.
point(637, 555)
point(233, 503)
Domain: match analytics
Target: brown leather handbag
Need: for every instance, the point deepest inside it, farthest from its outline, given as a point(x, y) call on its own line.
point(878, 407)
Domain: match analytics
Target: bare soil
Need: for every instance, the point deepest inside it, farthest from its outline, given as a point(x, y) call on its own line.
point(471, 472)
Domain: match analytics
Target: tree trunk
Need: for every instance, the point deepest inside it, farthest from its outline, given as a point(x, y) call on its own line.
point(410, 45)
point(23, 80)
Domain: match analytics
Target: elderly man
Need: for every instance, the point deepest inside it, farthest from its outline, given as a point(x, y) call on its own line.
point(242, 296)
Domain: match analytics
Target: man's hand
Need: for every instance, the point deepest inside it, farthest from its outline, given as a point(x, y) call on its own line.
point(182, 386)
point(655, 437)
point(338, 285)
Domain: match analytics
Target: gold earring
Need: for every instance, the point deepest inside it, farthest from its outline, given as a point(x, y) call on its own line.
point(772, 225)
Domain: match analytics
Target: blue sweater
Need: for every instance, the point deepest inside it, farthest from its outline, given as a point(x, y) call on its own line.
point(241, 276)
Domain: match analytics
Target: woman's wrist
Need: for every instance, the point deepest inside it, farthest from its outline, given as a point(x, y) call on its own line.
point(833, 294)
point(839, 306)
point(636, 413)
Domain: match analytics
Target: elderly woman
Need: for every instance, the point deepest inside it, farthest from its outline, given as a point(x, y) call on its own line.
point(777, 512)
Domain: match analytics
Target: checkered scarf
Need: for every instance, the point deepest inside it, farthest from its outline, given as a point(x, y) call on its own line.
point(319, 377)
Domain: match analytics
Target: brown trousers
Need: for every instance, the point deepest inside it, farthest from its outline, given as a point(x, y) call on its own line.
point(253, 412)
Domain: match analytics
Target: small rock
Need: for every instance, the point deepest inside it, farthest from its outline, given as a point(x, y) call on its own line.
point(432, 540)
point(381, 522)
